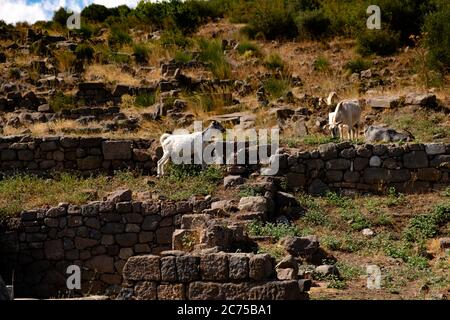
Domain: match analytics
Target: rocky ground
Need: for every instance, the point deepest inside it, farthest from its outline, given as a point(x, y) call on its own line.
point(45, 89)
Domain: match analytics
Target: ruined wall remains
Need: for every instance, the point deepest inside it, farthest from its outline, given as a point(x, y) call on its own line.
point(217, 276)
point(99, 237)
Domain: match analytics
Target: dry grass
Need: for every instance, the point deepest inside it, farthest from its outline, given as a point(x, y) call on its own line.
point(109, 73)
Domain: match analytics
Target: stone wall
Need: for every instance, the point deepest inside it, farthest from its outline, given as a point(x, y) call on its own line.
point(408, 168)
point(217, 276)
point(25, 153)
point(99, 237)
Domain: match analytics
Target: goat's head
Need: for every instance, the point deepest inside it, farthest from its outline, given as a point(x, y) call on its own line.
point(332, 125)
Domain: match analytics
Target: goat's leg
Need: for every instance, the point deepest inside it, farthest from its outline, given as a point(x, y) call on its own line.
point(161, 162)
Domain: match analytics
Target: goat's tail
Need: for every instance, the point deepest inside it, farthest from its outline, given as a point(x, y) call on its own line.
point(164, 137)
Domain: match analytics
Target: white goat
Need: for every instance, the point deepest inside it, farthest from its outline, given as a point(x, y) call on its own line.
point(174, 143)
point(347, 113)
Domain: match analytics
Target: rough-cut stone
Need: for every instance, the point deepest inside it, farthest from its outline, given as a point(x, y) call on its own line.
point(214, 267)
point(318, 187)
point(168, 269)
point(142, 268)
point(101, 263)
point(188, 268)
point(121, 195)
point(298, 246)
point(434, 148)
point(327, 269)
point(145, 290)
point(415, 159)
point(238, 264)
point(117, 150)
point(260, 266)
point(233, 181)
point(276, 290)
point(54, 249)
point(253, 204)
point(171, 292)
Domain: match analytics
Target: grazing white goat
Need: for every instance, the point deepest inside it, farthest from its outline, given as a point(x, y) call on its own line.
point(347, 113)
point(174, 143)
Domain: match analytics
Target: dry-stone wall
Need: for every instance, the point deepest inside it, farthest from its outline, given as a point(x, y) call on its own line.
point(216, 276)
point(408, 168)
point(99, 237)
point(25, 153)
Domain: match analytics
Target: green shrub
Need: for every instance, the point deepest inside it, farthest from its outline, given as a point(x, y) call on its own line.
point(61, 101)
point(316, 139)
point(246, 46)
point(14, 73)
point(174, 37)
point(60, 17)
point(212, 53)
point(313, 24)
point(357, 65)
point(426, 226)
point(276, 88)
point(95, 13)
point(274, 61)
point(437, 28)
point(118, 36)
point(145, 100)
point(84, 51)
point(382, 42)
point(321, 64)
point(141, 52)
point(86, 31)
point(272, 19)
point(182, 56)
point(275, 230)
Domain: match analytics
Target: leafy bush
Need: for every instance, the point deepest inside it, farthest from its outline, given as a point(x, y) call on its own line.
point(274, 61)
point(382, 42)
point(174, 37)
point(426, 226)
point(272, 19)
point(211, 52)
point(118, 36)
point(141, 52)
point(276, 88)
point(437, 28)
point(145, 100)
point(275, 230)
point(60, 17)
point(321, 64)
point(84, 52)
point(313, 24)
point(182, 56)
point(61, 101)
point(95, 13)
point(357, 65)
point(316, 139)
point(65, 60)
point(246, 46)
point(14, 73)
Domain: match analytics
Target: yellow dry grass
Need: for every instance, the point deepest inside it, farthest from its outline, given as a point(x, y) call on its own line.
point(110, 73)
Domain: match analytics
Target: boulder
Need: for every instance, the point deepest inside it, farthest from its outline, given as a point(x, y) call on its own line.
point(254, 204)
point(300, 246)
point(327, 270)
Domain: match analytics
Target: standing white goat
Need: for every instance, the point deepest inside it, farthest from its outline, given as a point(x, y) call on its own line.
point(347, 113)
point(174, 143)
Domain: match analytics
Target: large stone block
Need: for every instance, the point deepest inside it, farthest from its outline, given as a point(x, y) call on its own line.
point(102, 264)
point(261, 266)
point(214, 267)
point(238, 265)
point(171, 292)
point(168, 269)
point(145, 290)
point(415, 159)
point(54, 249)
point(140, 268)
point(277, 290)
point(117, 150)
point(188, 268)
point(299, 246)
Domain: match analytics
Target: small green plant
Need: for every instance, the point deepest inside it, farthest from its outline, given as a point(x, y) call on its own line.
point(61, 101)
point(317, 139)
point(118, 36)
point(357, 65)
point(382, 42)
point(275, 230)
point(141, 52)
point(145, 99)
point(425, 226)
point(313, 24)
point(247, 46)
point(14, 73)
point(336, 283)
point(321, 64)
point(274, 62)
point(251, 191)
point(182, 56)
point(276, 88)
point(315, 215)
point(212, 53)
point(188, 242)
point(84, 52)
